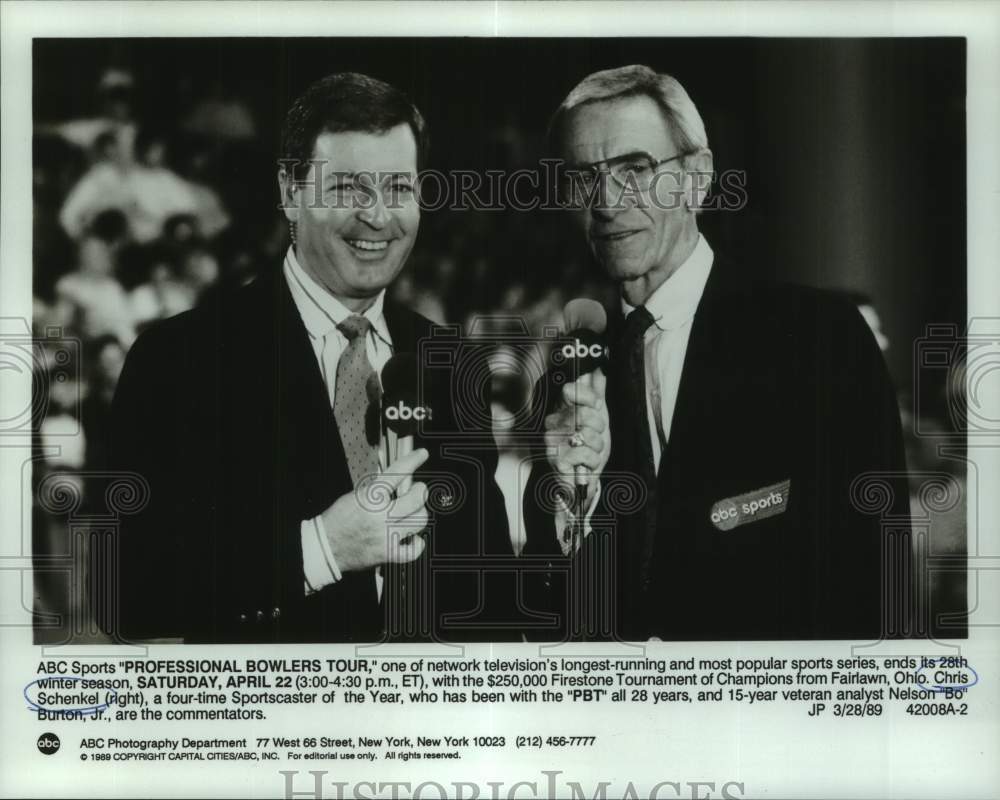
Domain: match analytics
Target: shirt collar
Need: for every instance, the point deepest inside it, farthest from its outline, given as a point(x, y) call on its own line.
point(321, 312)
point(676, 299)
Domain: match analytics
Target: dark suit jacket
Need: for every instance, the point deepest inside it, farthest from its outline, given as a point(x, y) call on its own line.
point(779, 383)
point(224, 412)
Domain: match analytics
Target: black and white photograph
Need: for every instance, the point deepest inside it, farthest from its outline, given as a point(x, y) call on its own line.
point(499, 400)
point(751, 253)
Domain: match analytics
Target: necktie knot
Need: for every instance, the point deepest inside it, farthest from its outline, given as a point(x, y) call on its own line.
point(354, 326)
point(637, 323)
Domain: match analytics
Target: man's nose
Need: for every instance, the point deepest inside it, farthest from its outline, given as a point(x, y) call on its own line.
point(373, 210)
point(608, 200)
point(603, 212)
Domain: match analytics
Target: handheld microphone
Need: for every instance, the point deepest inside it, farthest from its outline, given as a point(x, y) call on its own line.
point(585, 349)
point(585, 314)
point(586, 320)
point(401, 413)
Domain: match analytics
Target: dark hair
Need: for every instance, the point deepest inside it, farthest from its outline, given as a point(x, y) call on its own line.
point(346, 101)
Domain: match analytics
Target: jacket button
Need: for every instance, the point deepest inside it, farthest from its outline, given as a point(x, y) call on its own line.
point(243, 617)
point(275, 612)
point(260, 616)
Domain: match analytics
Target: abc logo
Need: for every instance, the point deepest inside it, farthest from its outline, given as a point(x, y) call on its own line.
point(722, 514)
point(48, 743)
point(581, 350)
point(404, 412)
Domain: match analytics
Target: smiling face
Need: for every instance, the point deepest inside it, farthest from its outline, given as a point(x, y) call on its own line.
point(354, 233)
point(639, 239)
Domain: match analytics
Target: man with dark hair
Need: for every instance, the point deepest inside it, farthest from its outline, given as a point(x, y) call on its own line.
point(347, 101)
point(275, 512)
point(734, 445)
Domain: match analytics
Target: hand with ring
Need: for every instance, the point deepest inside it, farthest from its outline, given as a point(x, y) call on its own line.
point(578, 432)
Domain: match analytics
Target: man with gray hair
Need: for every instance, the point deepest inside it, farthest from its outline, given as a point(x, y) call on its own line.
point(738, 421)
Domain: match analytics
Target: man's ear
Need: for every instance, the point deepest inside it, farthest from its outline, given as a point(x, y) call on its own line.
point(698, 174)
point(289, 194)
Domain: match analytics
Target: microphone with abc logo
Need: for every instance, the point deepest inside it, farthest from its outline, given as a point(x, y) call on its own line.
point(576, 360)
point(401, 412)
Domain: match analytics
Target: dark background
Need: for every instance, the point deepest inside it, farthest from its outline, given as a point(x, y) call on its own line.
point(854, 148)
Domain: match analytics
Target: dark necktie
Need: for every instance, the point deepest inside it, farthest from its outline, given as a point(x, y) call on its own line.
point(633, 350)
point(355, 392)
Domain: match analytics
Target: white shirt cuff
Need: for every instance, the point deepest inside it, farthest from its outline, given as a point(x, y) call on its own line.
point(319, 567)
point(565, 524)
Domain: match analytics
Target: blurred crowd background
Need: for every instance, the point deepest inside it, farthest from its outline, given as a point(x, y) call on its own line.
point(154, 166)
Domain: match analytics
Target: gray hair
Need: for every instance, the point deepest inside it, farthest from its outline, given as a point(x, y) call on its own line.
point(679, 112)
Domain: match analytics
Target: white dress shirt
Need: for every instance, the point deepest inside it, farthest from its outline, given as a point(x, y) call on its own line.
point(672, 307)
point(321, 312)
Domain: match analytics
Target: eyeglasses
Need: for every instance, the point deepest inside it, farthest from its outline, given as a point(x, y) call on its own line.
point(633, 171)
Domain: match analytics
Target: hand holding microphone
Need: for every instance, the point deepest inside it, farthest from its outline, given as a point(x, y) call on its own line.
point(402, 416)
point(365, 530)
point(577, 434)
point(377, 525)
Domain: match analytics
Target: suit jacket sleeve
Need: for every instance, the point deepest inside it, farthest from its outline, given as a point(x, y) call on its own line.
point(153, 551)
point(866, 497)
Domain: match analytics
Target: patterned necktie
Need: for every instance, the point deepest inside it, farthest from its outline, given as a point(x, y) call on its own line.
point(633, 350)
point(356, 400)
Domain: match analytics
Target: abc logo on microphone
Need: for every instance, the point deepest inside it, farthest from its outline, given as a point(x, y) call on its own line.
point(403, 413)
point(578, 349)
point(583, 353)
point(402, 409)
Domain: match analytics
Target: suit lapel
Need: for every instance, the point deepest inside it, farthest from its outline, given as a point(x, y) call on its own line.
point(305, 425)
point(306, 434)
point(700, 375)
point(400, 323)
point(703, 376)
